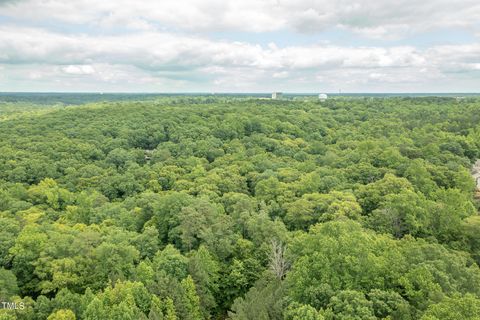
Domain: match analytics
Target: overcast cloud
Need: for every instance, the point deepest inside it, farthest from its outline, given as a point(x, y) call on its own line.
point(232, 46)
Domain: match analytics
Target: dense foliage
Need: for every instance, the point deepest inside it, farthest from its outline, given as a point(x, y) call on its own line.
point(186, 208)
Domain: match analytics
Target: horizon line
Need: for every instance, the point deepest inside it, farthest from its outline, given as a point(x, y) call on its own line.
point(226, 92)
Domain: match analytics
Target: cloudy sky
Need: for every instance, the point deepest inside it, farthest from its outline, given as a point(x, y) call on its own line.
point(240, 46)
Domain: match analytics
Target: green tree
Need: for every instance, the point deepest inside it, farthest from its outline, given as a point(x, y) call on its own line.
point(62, 314)
point(466, 307)
point(297, 311)
point(404, 213)
point(113, 262)
point(371, 195)
point(126, 300)
point(169, 310)
point(191, 299)
point(156, 309)
point(172, 262)
point(205, 271)
point(263, 301)
point(350, 304)
point(8, 284)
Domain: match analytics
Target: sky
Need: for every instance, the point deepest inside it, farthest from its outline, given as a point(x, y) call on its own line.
point(240, 46)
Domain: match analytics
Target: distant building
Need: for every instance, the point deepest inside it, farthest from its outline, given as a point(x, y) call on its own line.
point(322, 96)
point(277, 95)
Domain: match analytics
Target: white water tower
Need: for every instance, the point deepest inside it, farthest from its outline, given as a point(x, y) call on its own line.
point(322, 96)
point(277, 95)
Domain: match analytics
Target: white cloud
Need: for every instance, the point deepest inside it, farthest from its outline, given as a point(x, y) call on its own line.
point(281, 75)
point(165, 61)
point(369, 18)
point(164, 51)
point(35, 75)
point(167, 45)
point(78, 69)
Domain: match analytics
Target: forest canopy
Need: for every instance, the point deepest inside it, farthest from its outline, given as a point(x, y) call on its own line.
point(240, 208)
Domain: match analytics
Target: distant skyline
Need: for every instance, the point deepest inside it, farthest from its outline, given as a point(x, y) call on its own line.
point(240, 46)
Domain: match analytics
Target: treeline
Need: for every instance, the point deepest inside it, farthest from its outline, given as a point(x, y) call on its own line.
point(205, 208)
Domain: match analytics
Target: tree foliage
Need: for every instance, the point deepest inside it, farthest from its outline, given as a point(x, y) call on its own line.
point(241, 208)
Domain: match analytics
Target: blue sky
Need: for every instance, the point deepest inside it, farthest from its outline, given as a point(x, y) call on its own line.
point(240, 46)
